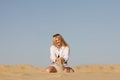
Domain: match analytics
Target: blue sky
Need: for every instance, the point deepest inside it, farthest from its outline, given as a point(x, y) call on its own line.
point(91, 28)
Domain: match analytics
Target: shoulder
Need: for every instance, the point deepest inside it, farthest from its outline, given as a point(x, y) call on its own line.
point(67, 47)
point(52, 47)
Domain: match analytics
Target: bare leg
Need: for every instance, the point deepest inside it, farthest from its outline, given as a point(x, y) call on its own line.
point(68, 69)
point(51, 69)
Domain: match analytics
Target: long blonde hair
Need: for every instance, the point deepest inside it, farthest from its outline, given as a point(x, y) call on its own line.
point(64, 43)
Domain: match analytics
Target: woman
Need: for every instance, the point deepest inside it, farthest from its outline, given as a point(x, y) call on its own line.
point(59, 50)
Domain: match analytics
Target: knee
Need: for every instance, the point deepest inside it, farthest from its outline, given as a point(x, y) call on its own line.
point(51, 69)
point(68, 70)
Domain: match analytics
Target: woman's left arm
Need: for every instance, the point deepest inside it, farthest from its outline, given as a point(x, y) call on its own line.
point(66, 53)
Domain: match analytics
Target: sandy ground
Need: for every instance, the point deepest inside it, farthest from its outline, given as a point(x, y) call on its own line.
point(86, 72)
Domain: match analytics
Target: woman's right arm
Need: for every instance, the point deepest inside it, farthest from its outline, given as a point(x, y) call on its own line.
point(52, 53)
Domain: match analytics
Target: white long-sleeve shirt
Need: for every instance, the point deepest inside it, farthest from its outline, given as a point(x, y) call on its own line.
point(62, 52)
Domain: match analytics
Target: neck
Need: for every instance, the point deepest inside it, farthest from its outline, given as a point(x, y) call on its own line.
point(59, 46)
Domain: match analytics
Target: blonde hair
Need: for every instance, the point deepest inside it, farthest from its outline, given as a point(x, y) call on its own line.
point(64, 43)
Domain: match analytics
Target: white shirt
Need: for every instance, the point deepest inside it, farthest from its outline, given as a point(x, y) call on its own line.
point(62, 52)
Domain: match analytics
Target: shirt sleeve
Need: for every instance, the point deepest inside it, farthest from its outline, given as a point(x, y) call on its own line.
point(66, 53)
point(52, 53)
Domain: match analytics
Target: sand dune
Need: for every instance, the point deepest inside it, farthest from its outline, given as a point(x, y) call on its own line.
point(86, 72)
point(98, 68)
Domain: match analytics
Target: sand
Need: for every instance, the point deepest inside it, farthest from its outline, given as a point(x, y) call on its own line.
point(82, 72)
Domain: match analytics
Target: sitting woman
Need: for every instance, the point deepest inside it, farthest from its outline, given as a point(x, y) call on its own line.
point(59, 54)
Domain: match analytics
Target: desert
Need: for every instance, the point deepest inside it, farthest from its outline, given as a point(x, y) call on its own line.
point(82, 72)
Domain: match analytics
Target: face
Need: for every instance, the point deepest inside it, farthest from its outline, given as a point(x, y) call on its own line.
point(58, 41)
